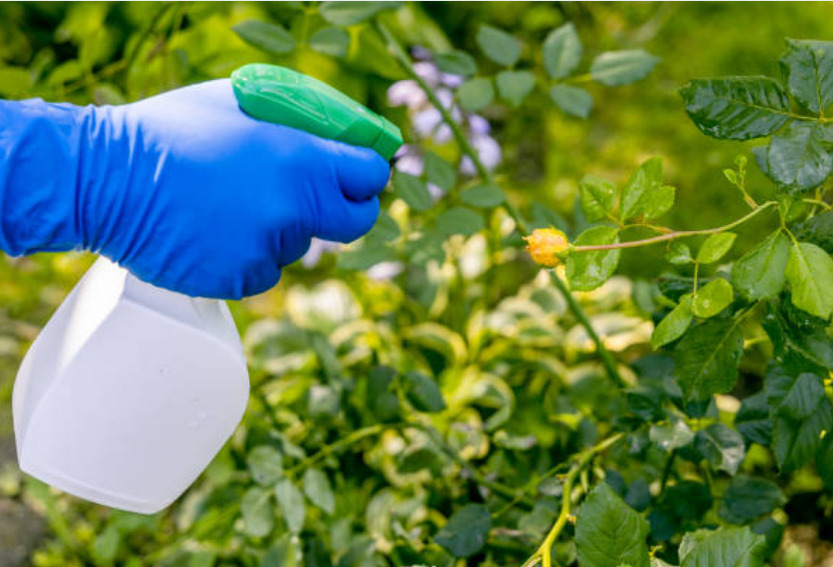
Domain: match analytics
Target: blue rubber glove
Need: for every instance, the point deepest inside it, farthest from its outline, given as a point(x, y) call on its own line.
point(183, 189)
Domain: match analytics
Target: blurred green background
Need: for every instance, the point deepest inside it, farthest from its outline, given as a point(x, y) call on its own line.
point(111, 53)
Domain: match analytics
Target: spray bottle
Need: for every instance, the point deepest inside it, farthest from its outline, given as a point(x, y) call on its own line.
point(130, 390)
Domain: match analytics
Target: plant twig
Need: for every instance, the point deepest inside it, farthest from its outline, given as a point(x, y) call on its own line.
point(544, 552)
point(673, 234)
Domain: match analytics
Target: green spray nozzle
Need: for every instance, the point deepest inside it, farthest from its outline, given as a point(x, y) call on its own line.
point(283, 96)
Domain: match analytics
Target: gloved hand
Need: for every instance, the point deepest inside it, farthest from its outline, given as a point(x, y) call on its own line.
point(183, 189)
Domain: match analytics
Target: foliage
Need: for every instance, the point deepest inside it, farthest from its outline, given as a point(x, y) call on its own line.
point(428, 396)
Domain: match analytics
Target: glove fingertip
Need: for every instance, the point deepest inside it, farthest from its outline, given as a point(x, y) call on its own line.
point(362, 173)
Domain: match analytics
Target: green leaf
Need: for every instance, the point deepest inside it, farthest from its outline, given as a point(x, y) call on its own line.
point(737, 108)
point(658, 201)
point(640, 187)
point(574, 101)
point(420, 459)
point(265, 464)
point(381, 396)
point(747, 498)
point(483, 196)
point(384, 230)
point(365, 256)
point(712, 298)
point(674, 324)
point(793, 330)
point(753, 421)
point(106, 544)
point(598, 197)
point(498, 45)
point(810, 275)
point(412, 190)
point(284, 552)
point(725, 547)
point(614, 68)
point(439, 172)
point(423, 393)
point(715, 247)
point(801, 412)
point(802, 398)
point(268, 37)
point(475, 94)
point(15, 82)
point(795, 442)
point(515, 86)
point(466, 531)
point(562, 51)
point(824, 460)
point(721, 446)
point(457, 63)
point(808, 72)
point(671, 436)
point(330, 41)
point(588, 270)
point(706, 359)
point(318, 490)
point(760, 273)
point(679, 254)
point(818, 230)
point(258, 513)
point(459, 220)
point(351, 13)
point(609, 533)
point(291, 504)
point(799, 156)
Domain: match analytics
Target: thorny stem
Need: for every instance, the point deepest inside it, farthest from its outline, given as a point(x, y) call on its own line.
point(674, 234)
point(544, 552)
point(404, 61)
point(607, 359)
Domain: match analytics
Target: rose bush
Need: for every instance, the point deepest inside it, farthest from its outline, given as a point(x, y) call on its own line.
point(432, 396)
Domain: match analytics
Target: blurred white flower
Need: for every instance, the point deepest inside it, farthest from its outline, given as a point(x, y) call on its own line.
point(478, 125)
point(426, 121)
point(450, 80)
point(419, 52)
point(428, 71)
point(411, 164)
point(443, 134)
point(406, 93)
point(489, 152)
point(435, 191)
point(385, 271)
point(316, 249)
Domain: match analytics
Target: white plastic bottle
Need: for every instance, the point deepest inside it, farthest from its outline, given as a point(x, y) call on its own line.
point(129, 391)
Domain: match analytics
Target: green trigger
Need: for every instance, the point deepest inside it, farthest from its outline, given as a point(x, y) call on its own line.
point(283, 96)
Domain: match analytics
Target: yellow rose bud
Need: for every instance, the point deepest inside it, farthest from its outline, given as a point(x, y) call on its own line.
point(545, 244)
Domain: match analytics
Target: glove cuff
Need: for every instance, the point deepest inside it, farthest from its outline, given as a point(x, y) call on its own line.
point(43, 148)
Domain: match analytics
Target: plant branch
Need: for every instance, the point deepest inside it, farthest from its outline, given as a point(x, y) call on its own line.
point(607, 359)
point(343, 443)
point(673, 234)
point(544, 552)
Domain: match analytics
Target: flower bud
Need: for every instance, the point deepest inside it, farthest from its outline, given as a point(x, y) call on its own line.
point(546, 245)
